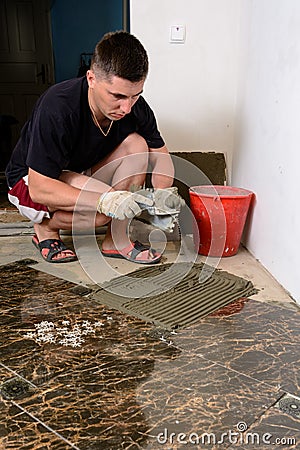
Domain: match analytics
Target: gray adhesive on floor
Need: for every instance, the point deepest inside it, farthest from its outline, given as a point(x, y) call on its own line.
point(159, 296)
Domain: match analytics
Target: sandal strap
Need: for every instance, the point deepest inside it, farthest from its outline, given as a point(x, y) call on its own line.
point(138, 248)
point(54, 246)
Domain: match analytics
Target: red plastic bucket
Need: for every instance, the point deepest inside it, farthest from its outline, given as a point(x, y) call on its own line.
point(220, 214)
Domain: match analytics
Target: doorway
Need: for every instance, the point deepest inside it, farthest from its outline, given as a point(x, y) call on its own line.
point(26, 62)
point(26, 69)
point(36, 37)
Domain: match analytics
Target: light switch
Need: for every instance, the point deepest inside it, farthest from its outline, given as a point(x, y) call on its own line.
point(177, 34)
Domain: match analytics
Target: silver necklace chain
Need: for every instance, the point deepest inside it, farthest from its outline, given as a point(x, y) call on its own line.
point(98, 124)
point(95, 120)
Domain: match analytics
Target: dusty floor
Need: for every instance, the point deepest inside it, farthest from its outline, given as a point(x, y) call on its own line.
point(76, 374)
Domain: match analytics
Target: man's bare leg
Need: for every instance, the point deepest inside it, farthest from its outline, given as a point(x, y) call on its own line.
point(63, 220)
point(123, 168)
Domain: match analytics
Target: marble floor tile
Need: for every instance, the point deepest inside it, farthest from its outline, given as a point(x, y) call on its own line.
point(22, 432)
point(20, 283)
point(76, 374)
point(53, 331)
point(18, 430)
point(256, 339)
point(112, 402)
point(272, 430)
point(196, 397)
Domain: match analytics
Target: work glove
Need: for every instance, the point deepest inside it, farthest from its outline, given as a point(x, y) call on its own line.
point(167, 200)
point(165, 210)
point(122, 204)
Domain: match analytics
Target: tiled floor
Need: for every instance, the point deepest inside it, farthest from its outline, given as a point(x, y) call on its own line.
point(76, 374)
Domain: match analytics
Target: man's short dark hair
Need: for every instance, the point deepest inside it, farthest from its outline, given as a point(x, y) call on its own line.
point(120, 54)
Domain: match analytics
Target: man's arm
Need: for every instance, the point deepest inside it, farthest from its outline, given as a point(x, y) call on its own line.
point(71, 191)
point(162, 167)
point(56, 194)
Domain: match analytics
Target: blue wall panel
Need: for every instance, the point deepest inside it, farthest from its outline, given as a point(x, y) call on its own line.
point(77, 26)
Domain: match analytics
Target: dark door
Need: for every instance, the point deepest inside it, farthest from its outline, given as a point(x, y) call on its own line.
point(26, 57)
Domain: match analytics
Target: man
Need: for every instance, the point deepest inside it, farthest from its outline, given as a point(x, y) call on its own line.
point(87, 142)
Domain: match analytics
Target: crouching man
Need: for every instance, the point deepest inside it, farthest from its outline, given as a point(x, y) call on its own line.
point(87, 142)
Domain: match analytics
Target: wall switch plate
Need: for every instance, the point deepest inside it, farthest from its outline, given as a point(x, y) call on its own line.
point(177, 34)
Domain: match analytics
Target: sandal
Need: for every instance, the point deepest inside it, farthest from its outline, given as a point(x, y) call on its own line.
point(55, 246)
point(134, 249)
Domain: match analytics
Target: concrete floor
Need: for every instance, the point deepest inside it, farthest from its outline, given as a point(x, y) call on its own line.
point(16, 244)
point(129, 385)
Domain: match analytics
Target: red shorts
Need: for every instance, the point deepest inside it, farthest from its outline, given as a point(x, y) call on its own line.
point(19, 196)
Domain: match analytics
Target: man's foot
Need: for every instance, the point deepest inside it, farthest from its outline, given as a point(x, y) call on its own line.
point(134, 252)
point(54, 250)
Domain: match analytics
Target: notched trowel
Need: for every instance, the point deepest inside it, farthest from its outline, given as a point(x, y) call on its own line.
point(165, 210)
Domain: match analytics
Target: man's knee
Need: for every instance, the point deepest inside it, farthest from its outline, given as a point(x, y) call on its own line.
point(135, 153)
point(135, 143)
point(128, 159)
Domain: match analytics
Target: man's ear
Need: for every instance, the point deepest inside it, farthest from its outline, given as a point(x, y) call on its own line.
point(91, 79)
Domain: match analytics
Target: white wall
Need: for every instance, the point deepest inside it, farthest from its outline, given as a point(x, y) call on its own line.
point(267, 154)
point(234, 86)
point(191, 86)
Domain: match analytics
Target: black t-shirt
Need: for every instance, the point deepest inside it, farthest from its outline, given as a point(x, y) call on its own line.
point(61, 134)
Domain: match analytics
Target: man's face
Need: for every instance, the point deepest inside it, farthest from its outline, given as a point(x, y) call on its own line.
point(114, 98)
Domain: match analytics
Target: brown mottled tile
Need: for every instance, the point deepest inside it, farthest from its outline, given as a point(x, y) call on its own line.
point(38, 361)
point(257, 339)
point(20, 283)
point(198, 396)
point(111, 401)
point(127, 381)
point(274, 429)
point(18, 430)
point(89, 392)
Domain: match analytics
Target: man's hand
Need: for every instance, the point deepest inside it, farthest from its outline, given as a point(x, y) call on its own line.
point(168, 200)
point(122, 204)
point(164, 200)
point(166, 207)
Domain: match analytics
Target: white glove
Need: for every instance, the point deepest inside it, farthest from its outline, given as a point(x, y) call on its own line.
point(122, 204)
point(168, 200)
